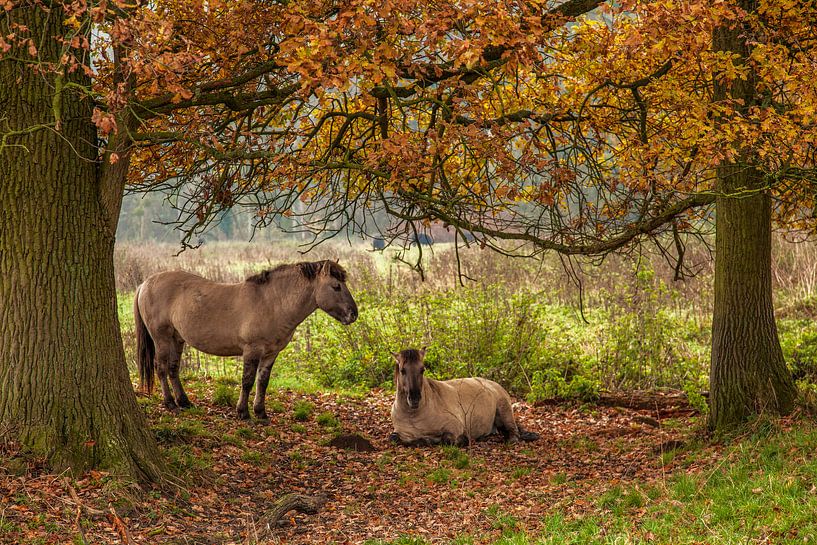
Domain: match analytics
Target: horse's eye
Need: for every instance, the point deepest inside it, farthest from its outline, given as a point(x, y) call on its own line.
point(402, 371)
point(423, 370)
point(336, 288)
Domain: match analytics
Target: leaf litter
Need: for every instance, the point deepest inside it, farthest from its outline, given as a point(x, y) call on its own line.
point(233, 472)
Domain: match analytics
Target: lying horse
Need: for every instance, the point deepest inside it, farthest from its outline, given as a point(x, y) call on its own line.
point(254, 319)
point(430, 412)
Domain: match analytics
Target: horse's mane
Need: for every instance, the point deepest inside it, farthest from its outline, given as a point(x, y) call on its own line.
point(309, 269)
point(410, 354)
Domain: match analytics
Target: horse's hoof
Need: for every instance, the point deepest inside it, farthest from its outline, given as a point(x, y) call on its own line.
point(243, 415)
point(513, 439)
point(262, 416)
point(185, 404)
point(394, 437)
point(529, 436)
point(171, 406)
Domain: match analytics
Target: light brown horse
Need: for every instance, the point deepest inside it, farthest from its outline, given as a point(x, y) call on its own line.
point(254, 319)
point(458, 411)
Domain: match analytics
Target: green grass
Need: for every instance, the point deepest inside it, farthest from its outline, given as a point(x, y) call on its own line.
point(302, 410)
point(252, 457)
point(458, 457)
point(298, 428)
point(441, 475)
point(327, 420)
point(224, 395)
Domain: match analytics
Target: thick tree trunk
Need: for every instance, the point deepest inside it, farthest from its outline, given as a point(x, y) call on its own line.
point(65, 391)
point(748, 375)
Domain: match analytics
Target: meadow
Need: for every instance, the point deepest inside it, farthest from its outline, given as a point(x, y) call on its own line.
point(524, 323)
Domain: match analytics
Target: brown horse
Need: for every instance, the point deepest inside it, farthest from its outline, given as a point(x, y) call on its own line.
point(254, 319)
point(458, 411)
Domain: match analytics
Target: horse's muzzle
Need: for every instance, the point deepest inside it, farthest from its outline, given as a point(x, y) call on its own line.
point(350, 317)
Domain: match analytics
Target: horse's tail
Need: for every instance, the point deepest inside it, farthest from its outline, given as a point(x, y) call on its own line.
point(145, 349)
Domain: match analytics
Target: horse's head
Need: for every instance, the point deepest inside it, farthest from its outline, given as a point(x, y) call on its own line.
point(408, 375)
point(332, 295)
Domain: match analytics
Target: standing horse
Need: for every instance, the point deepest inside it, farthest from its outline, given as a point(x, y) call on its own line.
point(458, 411)
point(254, 319)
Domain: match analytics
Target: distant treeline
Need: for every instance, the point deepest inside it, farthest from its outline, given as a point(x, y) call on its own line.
point(149, 217)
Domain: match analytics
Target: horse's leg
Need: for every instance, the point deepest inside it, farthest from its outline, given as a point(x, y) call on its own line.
point(247, 379)
point(166, 359)
point(258, 406)
point(505, 422)
point(173, 368)
point(449, 439)
point(394, 437)
point(161, 370)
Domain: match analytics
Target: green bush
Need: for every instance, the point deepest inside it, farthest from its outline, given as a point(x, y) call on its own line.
point(640, 338)
point(550, 384)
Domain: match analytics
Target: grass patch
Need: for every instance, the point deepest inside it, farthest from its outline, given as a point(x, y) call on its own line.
point(298, 428)
point(458, 457)
point(224, 395)
point(559, 478)
point(177, 431)
point(501, 520)
point(276, 406)
point(245, 433)
point(252, 457)
point(327, 420)
point(441, 475)
point(520, 472)
point(302, 410)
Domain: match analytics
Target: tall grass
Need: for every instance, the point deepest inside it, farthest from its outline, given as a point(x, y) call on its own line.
point(520, 322)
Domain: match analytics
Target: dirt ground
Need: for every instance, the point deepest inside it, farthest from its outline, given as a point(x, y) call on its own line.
point(231, 474)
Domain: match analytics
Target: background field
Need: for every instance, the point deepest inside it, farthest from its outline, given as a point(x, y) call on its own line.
point(524, 323)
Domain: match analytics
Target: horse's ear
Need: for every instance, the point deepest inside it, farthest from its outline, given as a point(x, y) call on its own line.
point(396, 356)
point(326, 268)
point(337, 260)
point(423, 352)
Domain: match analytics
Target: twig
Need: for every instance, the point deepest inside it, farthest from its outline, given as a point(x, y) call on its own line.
point(290, 502)
point(120, 527)
point(76, 501)
point(80, 506)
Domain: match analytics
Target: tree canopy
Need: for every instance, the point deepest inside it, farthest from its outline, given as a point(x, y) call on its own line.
point(578, 126)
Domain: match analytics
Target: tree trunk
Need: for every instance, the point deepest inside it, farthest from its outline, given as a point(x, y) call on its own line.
point(65, 392)
point(748, 374)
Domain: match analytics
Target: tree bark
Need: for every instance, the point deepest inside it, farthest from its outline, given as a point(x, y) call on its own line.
point(65, 391)
point(748, 374)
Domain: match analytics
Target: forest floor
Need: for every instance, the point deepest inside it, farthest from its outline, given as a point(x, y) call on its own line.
point(592, 466)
